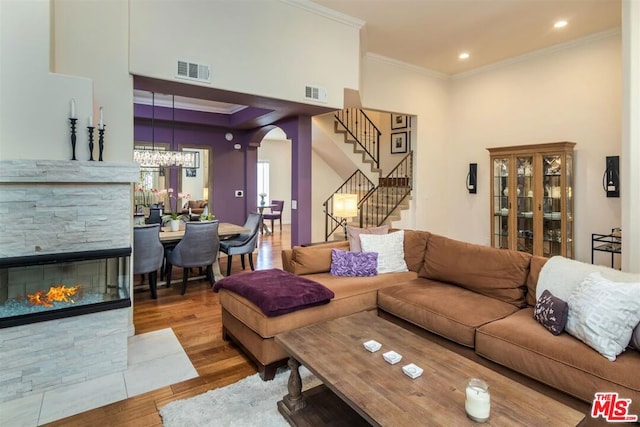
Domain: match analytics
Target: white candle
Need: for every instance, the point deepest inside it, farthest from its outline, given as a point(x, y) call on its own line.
point(101, 125)
point(73, 108)
point(90, 121)
point(478, 402)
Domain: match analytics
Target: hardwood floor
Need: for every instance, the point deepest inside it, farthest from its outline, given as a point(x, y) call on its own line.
point(196, 320)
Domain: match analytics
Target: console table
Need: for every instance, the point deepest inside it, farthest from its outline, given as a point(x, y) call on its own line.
point(611, 243)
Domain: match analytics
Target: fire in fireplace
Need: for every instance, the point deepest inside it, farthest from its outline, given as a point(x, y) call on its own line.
point(46, 287)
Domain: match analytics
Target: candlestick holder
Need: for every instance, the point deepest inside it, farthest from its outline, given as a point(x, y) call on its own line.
point(90, 129)
point(73, 137)
point(101, 141)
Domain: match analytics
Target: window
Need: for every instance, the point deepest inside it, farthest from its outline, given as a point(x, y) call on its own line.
point(263, 181)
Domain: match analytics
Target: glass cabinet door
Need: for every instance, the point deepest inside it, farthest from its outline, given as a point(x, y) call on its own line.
point(500, 202)
point(569, 206)
point(552, 205)
point(525, 203)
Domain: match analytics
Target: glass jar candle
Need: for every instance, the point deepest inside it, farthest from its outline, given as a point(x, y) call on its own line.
point(478, 400)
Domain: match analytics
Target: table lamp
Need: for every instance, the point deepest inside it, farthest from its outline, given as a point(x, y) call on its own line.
point(345, 206)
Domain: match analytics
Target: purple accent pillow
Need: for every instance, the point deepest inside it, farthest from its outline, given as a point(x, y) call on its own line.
point(354, 264)
point(275, 291)
point(551, 312)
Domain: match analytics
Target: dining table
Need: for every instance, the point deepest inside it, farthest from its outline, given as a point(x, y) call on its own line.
point(226, 230)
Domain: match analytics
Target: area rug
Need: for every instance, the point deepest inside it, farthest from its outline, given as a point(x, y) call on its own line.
point(249, 402)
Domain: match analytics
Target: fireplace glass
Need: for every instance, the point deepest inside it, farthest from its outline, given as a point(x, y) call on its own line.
point(46, 287)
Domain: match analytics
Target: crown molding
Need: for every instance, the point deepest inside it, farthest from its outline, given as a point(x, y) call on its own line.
point(540, 53)
point(325, 12)
point(410, 67)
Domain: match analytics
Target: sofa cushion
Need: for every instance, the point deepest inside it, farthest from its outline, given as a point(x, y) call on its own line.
point(603, 314)
point(353, 235)
point(536, 264)
point(351, 295)
point(313, 259)
point(390, 249)
point(276, 292)
point(635, 338)
point(563, 362)
point(415, 244)
point(498, 273)
point(441, 308)
point(551, 312)
point(353, 264)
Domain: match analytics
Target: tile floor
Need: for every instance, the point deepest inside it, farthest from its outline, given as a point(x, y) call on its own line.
point(156, 359)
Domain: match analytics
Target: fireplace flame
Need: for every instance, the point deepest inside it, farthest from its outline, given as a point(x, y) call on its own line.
point(59, 293)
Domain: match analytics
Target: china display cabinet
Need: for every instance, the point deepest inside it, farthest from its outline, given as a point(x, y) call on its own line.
point(532, 198)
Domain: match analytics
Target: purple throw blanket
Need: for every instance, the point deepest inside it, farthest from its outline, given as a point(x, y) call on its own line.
point(275, 291)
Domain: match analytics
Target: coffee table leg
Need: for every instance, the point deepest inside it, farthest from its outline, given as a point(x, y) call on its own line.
point(294, 400)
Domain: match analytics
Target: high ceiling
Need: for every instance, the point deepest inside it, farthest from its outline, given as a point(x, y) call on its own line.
point(425, 33)
point(432, 33)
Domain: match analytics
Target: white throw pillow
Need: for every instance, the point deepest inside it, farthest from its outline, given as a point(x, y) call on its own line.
point(603, 314)
point(390, 249)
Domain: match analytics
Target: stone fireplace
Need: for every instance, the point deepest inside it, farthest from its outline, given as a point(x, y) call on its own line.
point(65, 247)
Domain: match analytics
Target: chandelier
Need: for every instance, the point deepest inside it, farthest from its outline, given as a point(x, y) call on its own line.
point(161, 158)
point(152, 158)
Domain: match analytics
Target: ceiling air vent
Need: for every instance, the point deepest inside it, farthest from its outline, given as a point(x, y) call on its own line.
point(315, 93)
point(193, 71)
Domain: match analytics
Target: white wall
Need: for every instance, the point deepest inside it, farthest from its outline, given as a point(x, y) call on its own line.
point(325, 182)
point(34, 103)
point(269, 48)
point(91, 39)
point(630, 161)
point(571, 94)
point(278, 153)
point(392, 86)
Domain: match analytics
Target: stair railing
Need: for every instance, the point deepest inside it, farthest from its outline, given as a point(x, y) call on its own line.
point(391, 191)
point(363, 131)
point(357, 183)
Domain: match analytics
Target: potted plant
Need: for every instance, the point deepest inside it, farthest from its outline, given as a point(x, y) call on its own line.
point(207, 217)
point(173, 219)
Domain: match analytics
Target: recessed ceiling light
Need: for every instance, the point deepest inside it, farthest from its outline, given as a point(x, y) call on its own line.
point(560, 24)
point(463, 55)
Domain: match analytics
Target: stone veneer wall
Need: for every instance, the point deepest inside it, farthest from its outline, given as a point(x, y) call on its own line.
point(54, 206)
point(47, 355)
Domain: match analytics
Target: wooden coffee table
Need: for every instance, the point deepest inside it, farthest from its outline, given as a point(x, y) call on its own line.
point(361, 388)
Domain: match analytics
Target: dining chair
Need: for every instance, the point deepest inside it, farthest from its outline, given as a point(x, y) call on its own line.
point(244, 243)
point(198, 248)
point(155, 216)
point(276, 213)
point(148, 253)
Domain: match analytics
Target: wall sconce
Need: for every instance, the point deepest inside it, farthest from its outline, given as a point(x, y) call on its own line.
point(611, 177)
point(472, 178)
point(345, 206)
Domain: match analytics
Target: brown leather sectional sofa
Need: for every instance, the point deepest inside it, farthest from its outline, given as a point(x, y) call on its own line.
point(477, 296)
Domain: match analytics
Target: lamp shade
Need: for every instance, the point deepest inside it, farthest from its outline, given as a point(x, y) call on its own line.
point(345, 205)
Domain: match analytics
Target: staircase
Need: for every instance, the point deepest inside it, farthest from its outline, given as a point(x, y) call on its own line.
point(379, 203)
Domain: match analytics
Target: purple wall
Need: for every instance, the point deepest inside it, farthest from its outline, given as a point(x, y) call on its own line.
point(229, 165)
point(234, 169)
